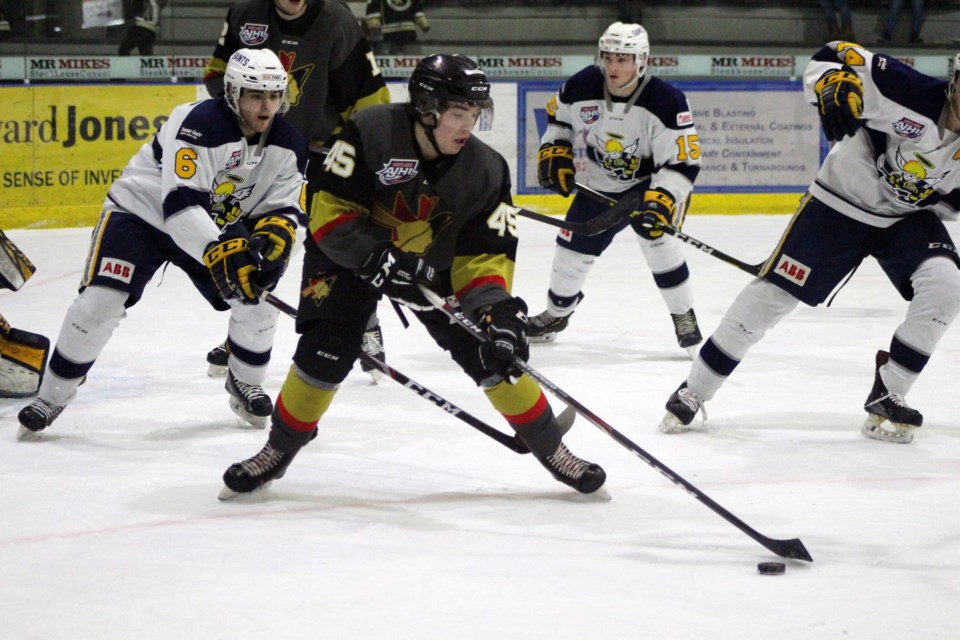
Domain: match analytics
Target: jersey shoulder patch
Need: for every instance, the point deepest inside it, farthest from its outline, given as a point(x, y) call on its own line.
point(908, 87)
point(209, 123)
point(586, 84)
point(667, 103)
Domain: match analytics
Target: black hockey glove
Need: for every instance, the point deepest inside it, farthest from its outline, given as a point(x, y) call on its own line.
point(840, 102)
point(233, 268)
point(396, 274)
point(555, 169)
point(506, 325)
point(272, 240)
point(658, 209)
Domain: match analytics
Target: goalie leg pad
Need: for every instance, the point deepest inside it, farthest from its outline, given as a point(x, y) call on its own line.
point(15, 268)
point(23, 358)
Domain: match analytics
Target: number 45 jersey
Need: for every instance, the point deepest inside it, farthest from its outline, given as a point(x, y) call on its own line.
point(646, 138)
point(454, 211)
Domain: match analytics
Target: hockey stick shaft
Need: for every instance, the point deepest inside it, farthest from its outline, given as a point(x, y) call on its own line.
point(511, 442)
point(595, 226)
point(752, 269)
point(784, 548)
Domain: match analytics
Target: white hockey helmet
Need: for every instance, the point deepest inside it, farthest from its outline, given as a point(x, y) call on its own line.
point(626, 38)
point(953, 75)
point(257, 69)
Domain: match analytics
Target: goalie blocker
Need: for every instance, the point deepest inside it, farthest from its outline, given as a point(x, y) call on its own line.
point(23, 358)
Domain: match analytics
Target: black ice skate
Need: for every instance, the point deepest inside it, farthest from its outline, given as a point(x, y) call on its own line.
point(35, 417)
point(687, 330)
point(883, 406)
point(218, 358)
point(682, 407)
point(249, 401)
point(572, 471)
point(256, 472)
point(372, 345)
point(545, 326)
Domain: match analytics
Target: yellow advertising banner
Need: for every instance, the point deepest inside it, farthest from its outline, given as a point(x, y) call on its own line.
point(61, 147)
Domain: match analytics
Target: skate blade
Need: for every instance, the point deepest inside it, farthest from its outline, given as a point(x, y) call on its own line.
point(27, 435)
point(600, 495)
point(874, 427)
point(254, 421)
point(217, 371)
point(548, 337)
point(229, 494)
point(692, 351)
point(376, 376)
point(671, 425)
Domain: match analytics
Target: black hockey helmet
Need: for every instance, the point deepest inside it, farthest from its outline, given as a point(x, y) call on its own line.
point(442, 78)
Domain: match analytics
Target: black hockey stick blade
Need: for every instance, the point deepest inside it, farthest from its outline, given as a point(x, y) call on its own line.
point(617, 213)
point(752, 269)
point(511, 442)
point(784, 548)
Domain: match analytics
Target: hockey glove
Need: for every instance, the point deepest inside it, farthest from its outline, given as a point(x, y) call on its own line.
point(233, 268)
point(840, 102)
point(658, 209)
point(272, 239)
point(396, 274)
point(555, 169)
point(506, 325)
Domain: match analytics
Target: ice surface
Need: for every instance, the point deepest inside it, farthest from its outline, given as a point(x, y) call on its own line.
point(399, 521)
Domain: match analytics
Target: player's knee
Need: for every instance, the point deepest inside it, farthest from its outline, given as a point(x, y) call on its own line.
point(97, 307)
point(936, 283)
point(572, 264)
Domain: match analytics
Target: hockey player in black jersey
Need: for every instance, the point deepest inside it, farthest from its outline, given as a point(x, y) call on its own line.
point(332, 75)
point(882, 191)
point(640, 138)
point(218, 193)
point(407, 197)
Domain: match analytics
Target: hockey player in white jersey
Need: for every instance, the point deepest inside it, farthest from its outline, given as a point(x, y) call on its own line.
point(883, 191)
point(217, 192)
point(640, 137)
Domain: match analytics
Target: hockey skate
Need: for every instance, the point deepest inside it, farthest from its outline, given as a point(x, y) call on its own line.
point(688, 331)
point(255, 473)
point(545, 326)
point(249, 401)
point(35, 417)
point(372, 345)
point(882, 407)
point(572, 471)
point(682, 407)
point(218, 358)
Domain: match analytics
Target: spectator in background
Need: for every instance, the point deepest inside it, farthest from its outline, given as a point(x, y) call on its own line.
point(916, 20)
point(394, 23)
point(144, 28)
point(13, 18)
point(841, 29)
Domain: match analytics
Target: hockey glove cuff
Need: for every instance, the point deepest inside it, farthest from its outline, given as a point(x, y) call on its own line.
point(233, 269)
point(506, 325)
point(396, 274)
point(840, 102)
point(273, 239)
point(555, 169)
point(658, 209)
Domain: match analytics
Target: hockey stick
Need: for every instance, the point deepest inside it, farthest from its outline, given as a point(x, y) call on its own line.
point(752, 269)
point(511, 442)
point(784, 548)
point(617, 213)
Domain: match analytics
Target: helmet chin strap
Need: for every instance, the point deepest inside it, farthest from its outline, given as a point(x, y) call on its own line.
point(428, 131)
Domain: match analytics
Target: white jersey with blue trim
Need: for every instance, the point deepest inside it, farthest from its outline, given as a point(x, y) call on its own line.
point(651, 138)
point(902, 159)
point(199, 175)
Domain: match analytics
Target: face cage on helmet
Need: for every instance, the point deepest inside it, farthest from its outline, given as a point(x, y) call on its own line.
point(433, 105)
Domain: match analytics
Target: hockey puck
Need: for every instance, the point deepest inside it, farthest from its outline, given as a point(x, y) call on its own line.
point(771, 568)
